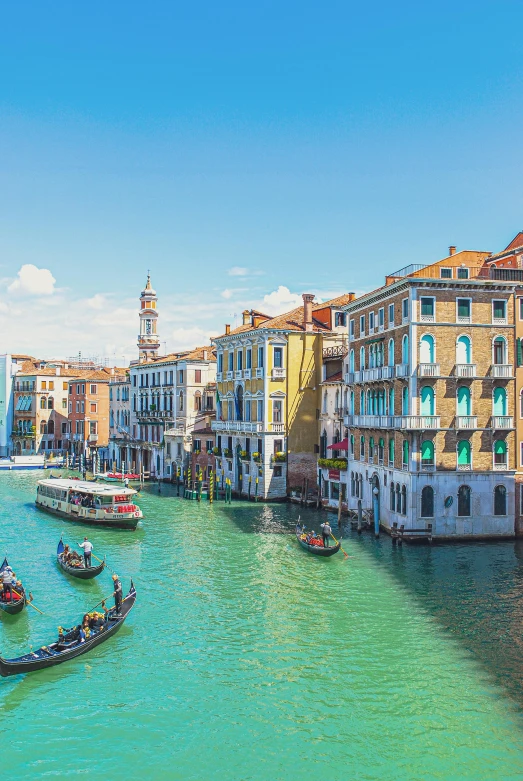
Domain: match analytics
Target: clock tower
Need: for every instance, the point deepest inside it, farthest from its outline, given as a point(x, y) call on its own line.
point(148, 339)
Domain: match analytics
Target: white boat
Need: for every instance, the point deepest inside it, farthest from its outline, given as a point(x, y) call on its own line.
point(88, 502)
point(22, 462)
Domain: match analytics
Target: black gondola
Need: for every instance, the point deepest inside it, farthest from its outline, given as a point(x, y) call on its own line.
point(70, 646)
point(316, 549)
point(19, 601)
point(85, 573)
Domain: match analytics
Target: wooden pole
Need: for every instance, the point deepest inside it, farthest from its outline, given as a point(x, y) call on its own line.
point(360, 518)
point(339, 504)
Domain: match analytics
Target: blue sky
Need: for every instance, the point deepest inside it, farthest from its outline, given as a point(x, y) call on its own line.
point(305, 146)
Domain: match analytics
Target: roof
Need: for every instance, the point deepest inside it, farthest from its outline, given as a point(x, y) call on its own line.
point(33, 368)
point(196, 354)
point(516, 242)
point(291, 321)
point(333, 302)
point(337, 377)
point(92, 488)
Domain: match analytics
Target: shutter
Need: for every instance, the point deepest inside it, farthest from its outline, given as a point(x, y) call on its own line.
point(519, 352)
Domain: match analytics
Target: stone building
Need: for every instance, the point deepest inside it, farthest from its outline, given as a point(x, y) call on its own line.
point(333, 431)
point(430, 382)
point(119, 421)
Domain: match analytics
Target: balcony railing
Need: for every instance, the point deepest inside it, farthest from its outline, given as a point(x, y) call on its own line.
point(259, 372)
point(247, 374)
point(428, 370)
point(277, 428)
point(502, 421)
point(500, 467)
point(278, 373)
point(428, 466)
point(375, 374)
point(402, 370)
point(238, 374)
point(502, 370)
point(229, 376)
point(465, 370)
point(371, 421)
point(417, 422)
point(237, 425)
point(466, 421)
point(464, 467)
point(219, 376)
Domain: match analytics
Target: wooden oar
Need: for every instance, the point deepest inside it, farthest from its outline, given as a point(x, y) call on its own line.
point(100, 602)
point(30, 602)
point(336, 541)
point(97, 559)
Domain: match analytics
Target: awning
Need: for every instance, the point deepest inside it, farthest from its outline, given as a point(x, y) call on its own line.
point(343, 445)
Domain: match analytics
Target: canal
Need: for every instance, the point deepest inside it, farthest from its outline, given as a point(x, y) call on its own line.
point(246, 658)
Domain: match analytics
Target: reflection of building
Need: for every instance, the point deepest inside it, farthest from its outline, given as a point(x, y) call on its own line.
point(430, 376)
point(268, 379)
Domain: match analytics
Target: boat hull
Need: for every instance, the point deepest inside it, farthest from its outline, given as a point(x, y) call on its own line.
point(129, 524)
point(83, 573)
point(12, 608)
point(317, 550)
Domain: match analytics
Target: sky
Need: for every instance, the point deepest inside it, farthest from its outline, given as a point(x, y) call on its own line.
point(244, 153)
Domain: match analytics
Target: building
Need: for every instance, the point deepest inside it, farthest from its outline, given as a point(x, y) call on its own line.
point(88, 409)
point(119, 420)
point(268, 380)
point(332, 460)
point(10, 365)
point(430, 383)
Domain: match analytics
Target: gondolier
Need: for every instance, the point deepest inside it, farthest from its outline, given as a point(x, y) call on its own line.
point(117, 594)
point(326, 532)
point(88, 547)
point(7, 577)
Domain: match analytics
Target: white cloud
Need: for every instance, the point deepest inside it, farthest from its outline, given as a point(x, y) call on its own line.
point(238, 271)
point(33, 281)
point(187, 338)
point(98, 301)
point(227, 293)
point(281, 300)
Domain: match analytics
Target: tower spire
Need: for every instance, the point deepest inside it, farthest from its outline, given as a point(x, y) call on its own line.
point(148, 338)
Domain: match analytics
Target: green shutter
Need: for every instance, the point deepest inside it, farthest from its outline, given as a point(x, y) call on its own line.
point(463, 452)
point(463, 307)
point(427, 451)
point(519, 351)
point(405, 452)
point(382, 442)
point(500, 447)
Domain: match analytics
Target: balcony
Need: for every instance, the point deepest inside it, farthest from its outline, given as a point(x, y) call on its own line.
point(428, 370)
point(464, 422)
point(467, 370)
point(375, 374)
point(464, 467)
point(278, 373)
point(402, 370)
point(259, 373)
point(219, 376)
point(154, 414)
point(428, 466)
point(247, 374)
point(501, 370)
point(349, 378)
point(417, 422)
point(229, 375)
point(502, 421)
point(238, 426)
point(500, 467)
point(371, 421)
point(238, 374)
point(93, 437)
point(277, 428)
point(499, 321)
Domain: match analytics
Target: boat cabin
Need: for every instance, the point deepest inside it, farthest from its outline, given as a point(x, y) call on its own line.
point(89, 502)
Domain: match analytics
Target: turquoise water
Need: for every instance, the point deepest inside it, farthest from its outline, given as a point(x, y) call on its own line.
point(247, 658)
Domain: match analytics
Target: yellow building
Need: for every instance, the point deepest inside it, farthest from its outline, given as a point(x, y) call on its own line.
point(268, 383)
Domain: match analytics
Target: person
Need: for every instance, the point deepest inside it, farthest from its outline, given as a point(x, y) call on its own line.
point(81, 635)
point(126, 482)
point(88, 547)
point(326, 533)
point(6, 581)
point(117, 595)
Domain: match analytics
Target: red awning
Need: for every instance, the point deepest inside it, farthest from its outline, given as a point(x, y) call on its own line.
point(343, 445)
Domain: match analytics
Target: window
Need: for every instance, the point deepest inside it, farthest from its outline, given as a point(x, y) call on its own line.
point(260, 357)
point(445, 273)
point(248, 359)
point(180, 374)
point(239, 360)
point(180, 402)
point(500, 350)
point(362, 448)
point(427, 502)
point(381, 448)
point(134, 380)
point(247, 411)
point(499, 311)
point(405, 309)
point(83, 389)
point(463, 306)
point(362, 358)
point(44, 384)
point(277, 411)
point(371, 322)
point(464, 501)
point(78, 406)
point(500, 500)
point(500, 454)
point(464, 454)
point(93, 407)
point(277, 471)
point(278, 357)
point(93, 427)
point(392, 498)
point(499, 401)
point(427, 454)
point(82, 406)
point(352, 444)
point(197, 375)
point(70, 406)
point(463, 401)
point(94, 389)
point(340, 319)
point(405, 401)
point(404, 500)
point(351, 327)
point(220, 363)
point(381, 317)
point(259, 411)
point(391, 315)
point(43, 403)
point(390, 360)
point(463, 350)
point(405, 350)
point(51, 384)
point(391, 452)
point(77, 390)
point(520, 308)
point(371, 448)
point(427, 400)
point(362, 325)
point(65, 386)
point(405, 454)
point(198, 401)
point(426, 351)
point(463, 273)
point(427, 307)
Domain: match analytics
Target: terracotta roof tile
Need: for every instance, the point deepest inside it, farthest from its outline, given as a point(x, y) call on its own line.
point(516, 242)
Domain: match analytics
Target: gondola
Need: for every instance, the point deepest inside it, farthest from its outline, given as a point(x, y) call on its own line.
point(70, 646)
point(85, 573)
point(316, 549)
point(19, 601)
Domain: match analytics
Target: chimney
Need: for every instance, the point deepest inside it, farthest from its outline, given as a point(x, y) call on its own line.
point(452, 250)
point(205, 355)
point(227, 328)
point(57, 371)
point(352, 296)
point(246, 317)
point(308, 298)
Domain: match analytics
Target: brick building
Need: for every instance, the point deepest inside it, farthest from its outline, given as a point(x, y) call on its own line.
point(88, 409)
point(430, 382)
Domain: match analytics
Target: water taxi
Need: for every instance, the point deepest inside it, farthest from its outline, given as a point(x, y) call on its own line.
point(88, 502)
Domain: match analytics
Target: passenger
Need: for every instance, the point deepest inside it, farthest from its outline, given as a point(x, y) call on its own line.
point(81, 635)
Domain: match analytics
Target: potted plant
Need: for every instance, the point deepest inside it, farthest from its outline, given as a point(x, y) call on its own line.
point(256, 456)
point(280, 457)
point(217, 451)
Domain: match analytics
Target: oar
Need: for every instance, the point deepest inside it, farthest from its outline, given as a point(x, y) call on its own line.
point(30, 602)
point(336, 541)
point(97, 559)
point(100, 602)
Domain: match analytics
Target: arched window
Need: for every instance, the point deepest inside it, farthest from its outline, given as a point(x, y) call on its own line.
point(352, 444)
point(392, 498)
point(362, 358)
point(351, 397)
point(337, 400)
point(369, 403)
point(500, 500)
point(404, 500)
point(50, 403)
point(371, 448)
point(381, 449)
point(346, 401)
point(499, 350)
point(500, 454)
point(391, 452)
point(463, 501)
point(362, 447)
point(391, 401)
point(405, 400)
point(405, 349)
point(405, 453)
point(427, 400)
point(198, 401)
point(372, 358)
point(324, 401)
point(427, 502)
point(43, 403)
point(380, 354)
point(500, 401)
point(464, 405)
point(352, 486)
point(43, 427)
point(351, 361)
point(398, 498)
point(362, 402)
point(180, 402)
point(427, 454)
point(50, 427)
point(464, 454)
point(391, 352)
point(463, 350)
point(426, 349)
point(323, 444)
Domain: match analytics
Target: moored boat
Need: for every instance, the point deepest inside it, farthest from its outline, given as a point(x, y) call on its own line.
point(87, 502)
point(117, 477)
point(81, 571)
point(317, 549)
point(17, 604)
point(70, 645)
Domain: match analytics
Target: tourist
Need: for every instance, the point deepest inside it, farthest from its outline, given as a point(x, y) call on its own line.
point(326, 532)
point(6, 582)
point(88, 547)
point(81, 635)
point(126, 482)
point(117, 595)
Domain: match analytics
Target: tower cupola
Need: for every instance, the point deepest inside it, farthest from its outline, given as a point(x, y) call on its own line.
point(148, 339)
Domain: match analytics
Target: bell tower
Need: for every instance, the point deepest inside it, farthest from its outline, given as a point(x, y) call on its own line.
point(148, 339)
